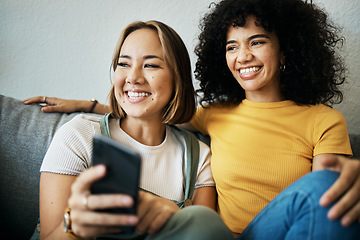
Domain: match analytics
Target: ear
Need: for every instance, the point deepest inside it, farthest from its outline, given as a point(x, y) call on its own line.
point(282, 58)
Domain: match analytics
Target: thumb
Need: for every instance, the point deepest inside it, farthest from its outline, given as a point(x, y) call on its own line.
point(88, 177)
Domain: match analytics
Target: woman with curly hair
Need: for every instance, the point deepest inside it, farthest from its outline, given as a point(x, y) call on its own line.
point(267, 71)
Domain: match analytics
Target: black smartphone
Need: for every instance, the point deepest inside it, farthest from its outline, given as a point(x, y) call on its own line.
point(122, 173)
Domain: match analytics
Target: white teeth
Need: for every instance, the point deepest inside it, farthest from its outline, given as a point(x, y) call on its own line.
point(138, 94)
point(249, 70)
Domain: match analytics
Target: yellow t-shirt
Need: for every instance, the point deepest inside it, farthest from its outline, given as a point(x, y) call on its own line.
point(258, 149)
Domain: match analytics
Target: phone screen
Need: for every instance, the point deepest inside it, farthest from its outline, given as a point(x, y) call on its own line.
point(122, 172)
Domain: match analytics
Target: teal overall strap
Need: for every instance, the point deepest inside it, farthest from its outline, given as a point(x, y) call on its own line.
point(192, 162)
point(104, 125)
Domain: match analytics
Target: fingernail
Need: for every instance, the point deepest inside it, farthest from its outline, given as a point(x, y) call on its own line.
point(132, 219)
point(324, 201)
point(346, 221)
point(100, 168)
point(332, 214)
point(126, 200)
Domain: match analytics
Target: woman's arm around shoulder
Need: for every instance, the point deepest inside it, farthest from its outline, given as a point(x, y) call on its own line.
point(53, 104)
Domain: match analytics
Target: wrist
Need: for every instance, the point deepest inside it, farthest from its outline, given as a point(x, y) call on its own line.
point(67, 225)
point(94, 102)
point(82, 105)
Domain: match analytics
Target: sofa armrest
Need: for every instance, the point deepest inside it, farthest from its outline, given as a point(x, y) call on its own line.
point(25, 134)
point(355, 145)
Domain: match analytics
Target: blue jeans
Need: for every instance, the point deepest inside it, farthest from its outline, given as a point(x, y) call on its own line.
point(296, 214)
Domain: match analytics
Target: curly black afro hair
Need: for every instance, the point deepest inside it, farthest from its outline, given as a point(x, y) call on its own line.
point(309, 40)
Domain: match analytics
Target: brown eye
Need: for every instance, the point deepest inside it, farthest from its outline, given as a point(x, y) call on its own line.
point(151, 66)
point(121, 64)
point(257, 43)
point(230, 48)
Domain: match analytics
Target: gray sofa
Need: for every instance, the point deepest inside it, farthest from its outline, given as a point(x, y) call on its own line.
point(25, 134)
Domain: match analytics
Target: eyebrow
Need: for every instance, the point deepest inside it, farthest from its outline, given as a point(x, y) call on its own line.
point(250, 38)
point(145, 57)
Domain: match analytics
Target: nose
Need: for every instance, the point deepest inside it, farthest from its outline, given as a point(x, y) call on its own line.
point(135, 76)
point(244, 55)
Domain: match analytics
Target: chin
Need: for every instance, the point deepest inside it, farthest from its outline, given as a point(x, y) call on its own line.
point(250, 86)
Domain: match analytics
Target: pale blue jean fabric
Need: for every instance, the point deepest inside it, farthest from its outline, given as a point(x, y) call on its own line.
point(296, 213)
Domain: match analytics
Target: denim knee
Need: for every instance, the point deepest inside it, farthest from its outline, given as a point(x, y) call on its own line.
point(315, 183)
point(296, 213)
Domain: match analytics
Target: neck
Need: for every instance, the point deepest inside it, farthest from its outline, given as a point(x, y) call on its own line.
point(150, 133)
point(264, 96)
point(264, 99)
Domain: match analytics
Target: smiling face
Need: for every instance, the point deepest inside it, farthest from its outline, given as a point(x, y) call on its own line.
point(143, 82)
point(253, 56)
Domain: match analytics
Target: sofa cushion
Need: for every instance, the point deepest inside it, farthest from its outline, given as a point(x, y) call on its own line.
point(25, 134)
point(355, 145)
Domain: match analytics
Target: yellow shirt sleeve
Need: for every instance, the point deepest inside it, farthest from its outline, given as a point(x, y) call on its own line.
point(199, 120)
point(330, 132)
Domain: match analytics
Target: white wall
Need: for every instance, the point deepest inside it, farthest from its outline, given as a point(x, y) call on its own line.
point(64, 48)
